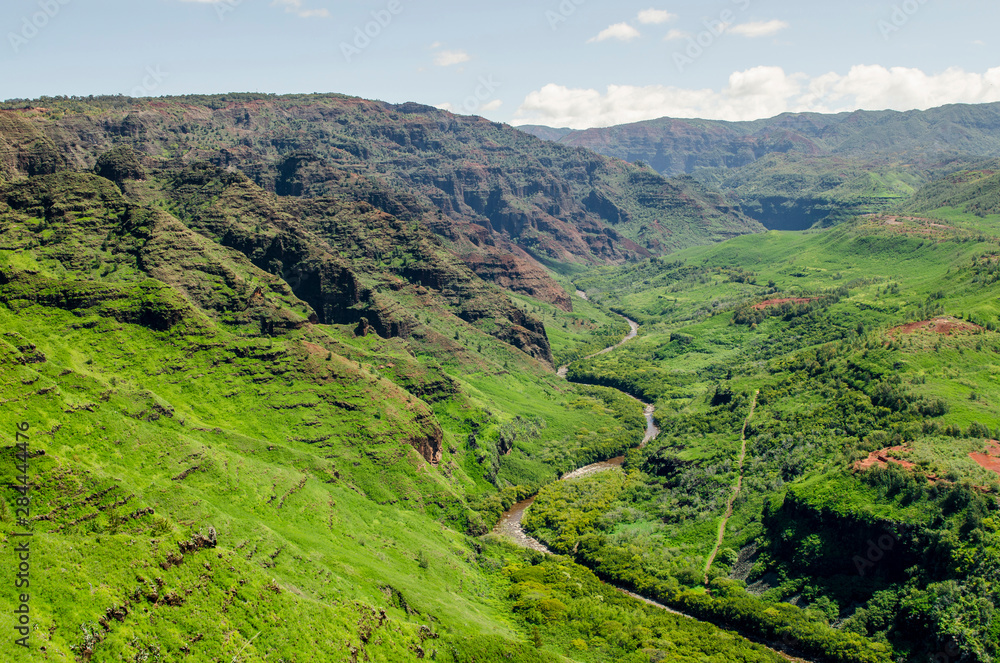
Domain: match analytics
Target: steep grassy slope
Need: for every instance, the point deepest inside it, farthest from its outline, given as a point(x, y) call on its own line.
point(866, 497)
point(271, 398)
point(266, 428)
point(975, 191)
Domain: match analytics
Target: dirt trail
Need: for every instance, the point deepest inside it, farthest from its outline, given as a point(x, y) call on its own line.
point(633, 332)
point(736, 488)
point(510, 526)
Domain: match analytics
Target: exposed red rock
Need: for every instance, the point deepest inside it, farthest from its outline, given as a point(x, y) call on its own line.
point(989, 460)
point(883, 457)
point(945, 326)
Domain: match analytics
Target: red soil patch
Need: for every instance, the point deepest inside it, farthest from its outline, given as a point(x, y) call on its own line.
point(883, 458)
point(899, 220)
point(913, 226)
point(945, 326)
point(989, 460)
point(787, 300)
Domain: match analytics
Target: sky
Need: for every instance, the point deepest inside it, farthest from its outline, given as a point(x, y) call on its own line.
point(561, 63)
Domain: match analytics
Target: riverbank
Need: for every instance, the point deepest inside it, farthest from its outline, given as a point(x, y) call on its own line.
point(510, 525)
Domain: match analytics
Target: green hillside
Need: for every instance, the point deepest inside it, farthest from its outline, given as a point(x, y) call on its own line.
point(261, 427)
point(266, 392)
point(967, 192)
point(676, 146)
point(859, 362)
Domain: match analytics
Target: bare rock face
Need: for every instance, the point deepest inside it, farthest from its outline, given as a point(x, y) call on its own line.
point(429, 442)
point(485, 189)
point(517, 274)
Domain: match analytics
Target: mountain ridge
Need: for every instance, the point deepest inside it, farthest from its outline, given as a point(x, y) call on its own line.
point(669, 144)
point(797, 170)
point(505, 203)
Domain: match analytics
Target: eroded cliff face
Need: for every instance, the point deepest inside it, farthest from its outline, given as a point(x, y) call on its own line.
point(349, 260)
point(517, 274)
point(499, 199)
point(25, 149)
point(531, 209)
point(353, 203)
point(429, 440)
point(77, 219)
point(203, 279)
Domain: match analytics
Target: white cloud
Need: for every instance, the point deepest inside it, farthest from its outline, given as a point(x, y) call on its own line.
point(449, 58)
point(677, 34)
point(491, 106)
point(436, 45)
point(295, 7)
point(622, 31)
point(759, 28)
point(655, 16)
point(759, 93)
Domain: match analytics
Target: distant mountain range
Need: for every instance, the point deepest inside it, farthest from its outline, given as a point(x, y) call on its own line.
point(797, 169)
point(676, 147)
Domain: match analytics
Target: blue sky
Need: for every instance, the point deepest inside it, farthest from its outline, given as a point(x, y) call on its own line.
point(576, 63)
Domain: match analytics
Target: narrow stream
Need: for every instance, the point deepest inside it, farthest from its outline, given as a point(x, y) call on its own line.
point(510, 526)
point(510, 523)
point(633, 332)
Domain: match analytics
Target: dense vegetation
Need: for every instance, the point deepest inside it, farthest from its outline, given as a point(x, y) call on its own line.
point(675, 146)
point(871, 349)
point(284, 362)
point(266, 423)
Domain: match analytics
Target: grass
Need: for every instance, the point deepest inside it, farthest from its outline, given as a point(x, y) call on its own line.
point(302, 451)
point(704, 349)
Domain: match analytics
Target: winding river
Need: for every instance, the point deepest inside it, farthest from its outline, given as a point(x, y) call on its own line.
point(510, 526)
point(510, 523)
